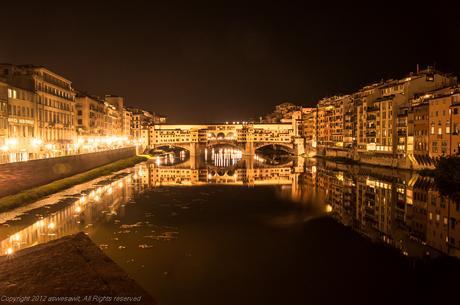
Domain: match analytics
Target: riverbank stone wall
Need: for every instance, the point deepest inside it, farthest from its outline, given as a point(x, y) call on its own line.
point(18, 176)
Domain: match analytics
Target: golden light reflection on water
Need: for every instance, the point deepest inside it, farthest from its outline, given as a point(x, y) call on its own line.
point(106, 199)
point(68, 219)
point(350, 195)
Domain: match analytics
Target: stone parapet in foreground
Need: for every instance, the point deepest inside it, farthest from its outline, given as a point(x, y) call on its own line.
point(69, 270)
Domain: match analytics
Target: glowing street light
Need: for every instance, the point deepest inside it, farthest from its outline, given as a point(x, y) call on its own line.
point(49, 146)
point(37, 142)
point(11, 142)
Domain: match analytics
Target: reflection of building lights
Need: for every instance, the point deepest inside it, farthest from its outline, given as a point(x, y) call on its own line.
point(109, 191)
point(209, 176)
point(40, 223)
point(9, 251)
point(4, 148)
point(328, 208)
point(51, 225)
point(339, 176)
point(78, 209)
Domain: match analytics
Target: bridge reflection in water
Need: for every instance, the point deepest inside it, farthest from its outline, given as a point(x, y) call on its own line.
point(397, 208)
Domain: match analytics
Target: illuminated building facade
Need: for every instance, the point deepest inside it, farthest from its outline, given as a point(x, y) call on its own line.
point(23, 143)
point(385, 123)
point(443, 124)
point(42, 116)
point(3, 122)
point(308, 128)
point(90, 116)
point(54, 109)
point(141, 119)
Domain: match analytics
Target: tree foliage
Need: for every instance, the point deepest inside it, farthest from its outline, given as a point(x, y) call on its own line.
point(447, 176)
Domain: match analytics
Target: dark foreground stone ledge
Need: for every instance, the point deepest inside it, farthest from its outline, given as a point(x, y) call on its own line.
point(73, 267)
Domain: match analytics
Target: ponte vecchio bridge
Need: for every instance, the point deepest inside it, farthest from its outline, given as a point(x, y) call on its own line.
point(247, 137)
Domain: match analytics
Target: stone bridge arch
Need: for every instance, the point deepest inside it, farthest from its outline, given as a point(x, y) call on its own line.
point(234, 144)
point(288, 147)
point(185, 146)
point(216, 172)
point(222, 135)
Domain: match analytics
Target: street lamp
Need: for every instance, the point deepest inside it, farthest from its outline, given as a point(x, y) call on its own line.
point(37, 142)
point(11, 141)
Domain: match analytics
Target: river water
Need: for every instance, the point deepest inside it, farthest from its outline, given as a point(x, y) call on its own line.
point(222, 228)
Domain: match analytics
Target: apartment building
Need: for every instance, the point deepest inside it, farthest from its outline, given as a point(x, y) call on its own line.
point(307, 130)
point(116, 111)
point(141, 119)
point(90, 116)
point(23, 143)
point(335, 123)
point(327, 109)
point(127, 118)
point(363, 101)
point(383, 123)
point(3, 121)
point(443, 122)
point(55, 104)
point(387, 115)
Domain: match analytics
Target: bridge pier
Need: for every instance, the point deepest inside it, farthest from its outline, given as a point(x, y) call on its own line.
point(194, 150)
point(249, 170)
point(249, 149)
point(299, 146)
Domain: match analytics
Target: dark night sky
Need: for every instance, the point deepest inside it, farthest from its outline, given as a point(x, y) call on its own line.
point(215, 62)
